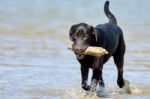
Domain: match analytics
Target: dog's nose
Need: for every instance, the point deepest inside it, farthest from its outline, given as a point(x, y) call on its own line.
point(79, 50)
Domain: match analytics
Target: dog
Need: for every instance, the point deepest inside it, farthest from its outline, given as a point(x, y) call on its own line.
point(108, 36)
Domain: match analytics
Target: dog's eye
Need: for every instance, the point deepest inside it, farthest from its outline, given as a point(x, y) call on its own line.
point(74, 35)
point(86, 36)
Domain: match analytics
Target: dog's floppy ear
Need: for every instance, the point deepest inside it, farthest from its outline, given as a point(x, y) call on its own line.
point(72, 30)
point(95, 33)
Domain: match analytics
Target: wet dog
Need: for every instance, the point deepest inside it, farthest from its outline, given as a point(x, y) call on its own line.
point(108, 36)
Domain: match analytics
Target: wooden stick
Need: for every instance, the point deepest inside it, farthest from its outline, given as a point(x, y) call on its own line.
point(93, 51)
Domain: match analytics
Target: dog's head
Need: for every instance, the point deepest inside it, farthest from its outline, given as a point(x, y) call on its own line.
point(82, 35)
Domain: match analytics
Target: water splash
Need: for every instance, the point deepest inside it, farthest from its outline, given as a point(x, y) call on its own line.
point(74, 93)
point(114, 92)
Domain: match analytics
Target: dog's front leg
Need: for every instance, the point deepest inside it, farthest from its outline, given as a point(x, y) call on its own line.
point(97, 72)
point(98, 78)
point(84, 74)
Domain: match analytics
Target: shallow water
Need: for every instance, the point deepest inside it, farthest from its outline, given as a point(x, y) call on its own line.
point(35, 62)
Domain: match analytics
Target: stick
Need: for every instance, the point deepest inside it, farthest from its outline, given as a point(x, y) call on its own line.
point(93, 51)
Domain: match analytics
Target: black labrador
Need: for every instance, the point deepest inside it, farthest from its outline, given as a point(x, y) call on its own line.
point(108, 36)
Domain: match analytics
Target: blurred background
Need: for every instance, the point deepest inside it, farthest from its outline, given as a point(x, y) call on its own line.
point(35, 62)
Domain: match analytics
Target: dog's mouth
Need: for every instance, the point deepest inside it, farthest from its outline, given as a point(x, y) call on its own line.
point(79, 56)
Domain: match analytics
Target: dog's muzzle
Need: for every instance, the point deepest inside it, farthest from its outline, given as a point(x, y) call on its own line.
point(79, 52)
point(80, 56)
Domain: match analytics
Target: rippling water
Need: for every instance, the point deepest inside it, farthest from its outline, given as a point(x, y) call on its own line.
point(35, 62)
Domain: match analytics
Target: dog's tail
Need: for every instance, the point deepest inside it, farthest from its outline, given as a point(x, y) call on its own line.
point(110, 16)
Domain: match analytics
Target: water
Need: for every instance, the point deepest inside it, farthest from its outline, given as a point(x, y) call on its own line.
point(35, 62)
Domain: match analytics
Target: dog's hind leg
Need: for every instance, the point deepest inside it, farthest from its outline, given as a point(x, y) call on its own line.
point(119, 61)
point(119, 64)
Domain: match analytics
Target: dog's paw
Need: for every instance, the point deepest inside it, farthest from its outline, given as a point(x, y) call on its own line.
point(101, 92)
point(126, 89)
point(86, 87)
